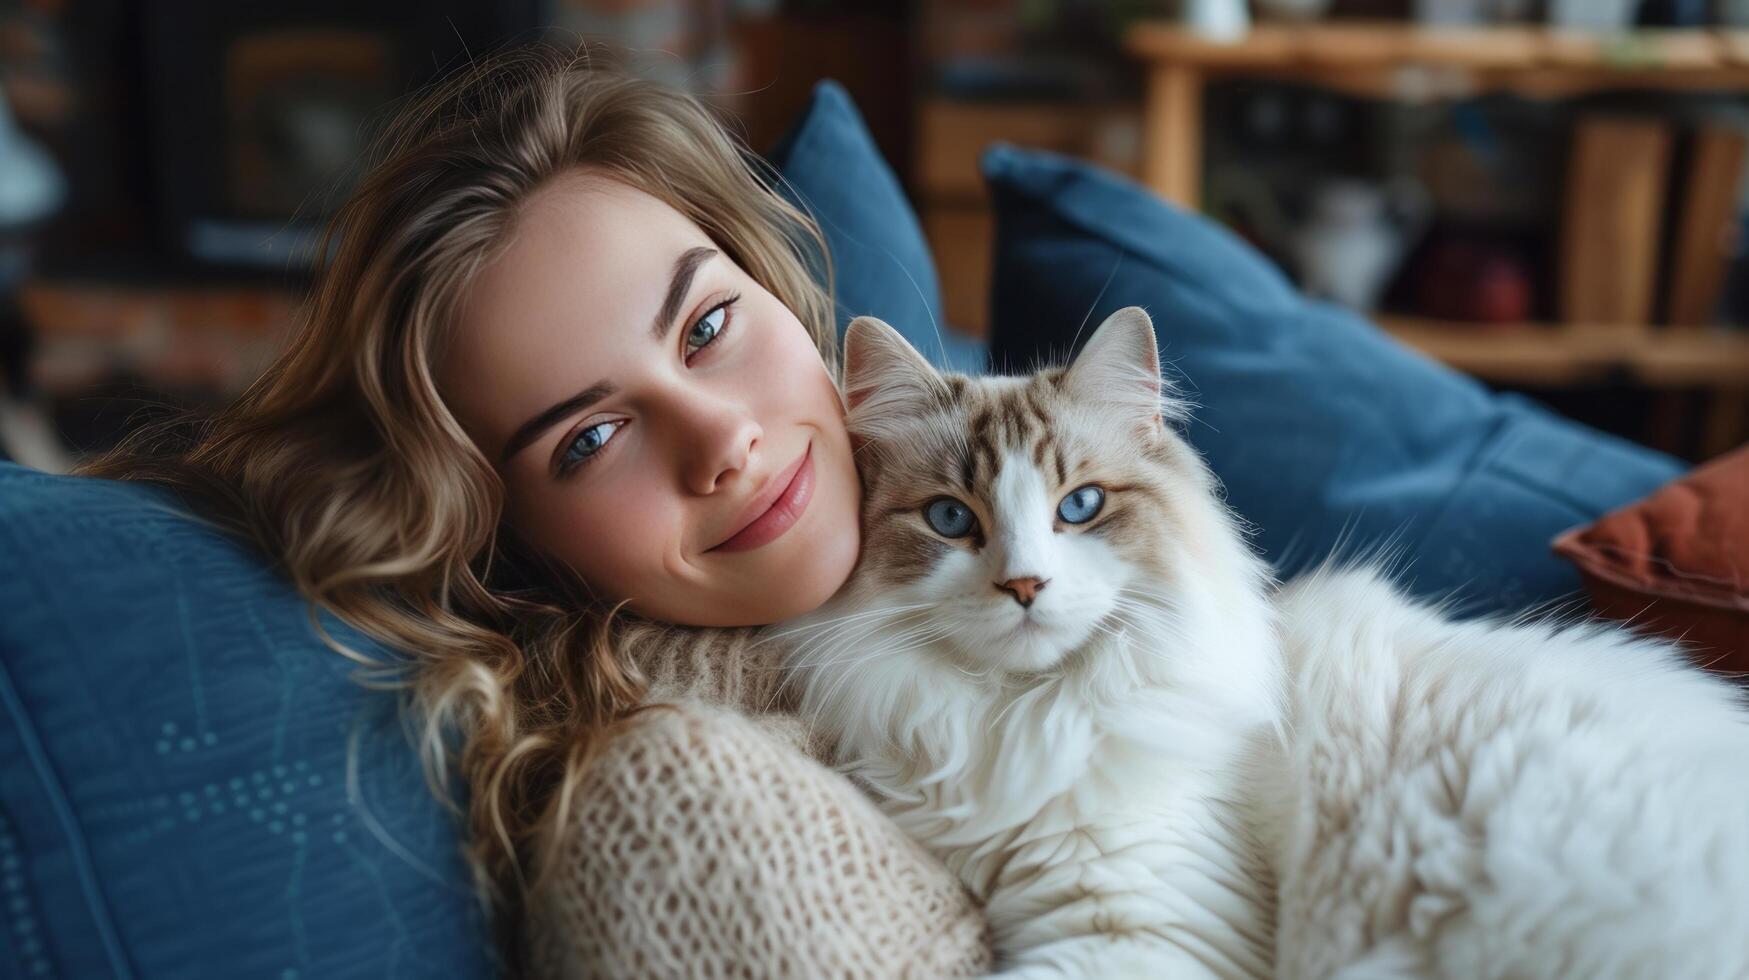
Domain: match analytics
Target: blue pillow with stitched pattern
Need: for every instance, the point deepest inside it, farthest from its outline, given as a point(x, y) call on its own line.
point(174, 798)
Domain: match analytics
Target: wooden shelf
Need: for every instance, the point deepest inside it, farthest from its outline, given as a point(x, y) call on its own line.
point(1360, 43)
point(1396, 60)
point(1558, 355)
point(950, 195)
point(1407, 62)
point(952, 135)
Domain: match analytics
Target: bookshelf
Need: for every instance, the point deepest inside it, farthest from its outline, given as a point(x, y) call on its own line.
point(1612, 330)
point(1398, 61)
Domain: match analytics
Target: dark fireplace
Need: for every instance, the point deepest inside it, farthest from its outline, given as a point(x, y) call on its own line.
point(257, 114)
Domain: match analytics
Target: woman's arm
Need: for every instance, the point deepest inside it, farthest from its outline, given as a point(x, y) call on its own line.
point(701, 844)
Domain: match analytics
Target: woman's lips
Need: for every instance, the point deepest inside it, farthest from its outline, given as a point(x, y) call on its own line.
point(783, 512)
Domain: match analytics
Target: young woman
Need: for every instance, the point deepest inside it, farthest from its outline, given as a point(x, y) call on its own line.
point(564, 375)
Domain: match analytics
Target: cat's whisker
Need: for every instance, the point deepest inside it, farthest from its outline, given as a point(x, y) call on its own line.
point(844, 675)
point(976, 674)
point(1102, 626)
point(898, 625)
point(1151, 602)
point(807, 653)
point(848, 666)
point(996, 721)
point(1154, 596)
point(914, 638)
point(807, 627)
point(1151, 613)
point(881, 652)
point(1163, 632)
point(862, 656)
point(833, 633)
point(1142, 611)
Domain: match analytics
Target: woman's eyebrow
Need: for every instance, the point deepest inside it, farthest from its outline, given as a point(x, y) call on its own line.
point(531, 430)
point(678, 286)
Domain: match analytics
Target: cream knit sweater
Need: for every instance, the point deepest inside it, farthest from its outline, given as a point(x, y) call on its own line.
point(708, 840)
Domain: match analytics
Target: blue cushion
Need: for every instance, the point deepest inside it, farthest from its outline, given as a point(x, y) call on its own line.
point(832, 169)
point(173, 760)
point(1327, 434)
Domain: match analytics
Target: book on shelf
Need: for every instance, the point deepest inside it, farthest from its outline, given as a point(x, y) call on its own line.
point(1612, 225)
point(1704, 220)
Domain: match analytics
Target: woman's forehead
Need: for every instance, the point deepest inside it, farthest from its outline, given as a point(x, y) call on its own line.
point(576, 287)
point(587, 228)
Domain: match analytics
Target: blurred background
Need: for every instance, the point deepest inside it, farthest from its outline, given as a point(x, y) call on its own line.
point(1548, 194)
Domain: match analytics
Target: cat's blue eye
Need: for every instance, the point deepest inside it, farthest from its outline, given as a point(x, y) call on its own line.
point(706, 328)
point(949, 517)
point(587, 444)
point(1081, 505)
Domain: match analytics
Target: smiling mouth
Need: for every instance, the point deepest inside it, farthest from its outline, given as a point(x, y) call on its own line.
point(772, 518)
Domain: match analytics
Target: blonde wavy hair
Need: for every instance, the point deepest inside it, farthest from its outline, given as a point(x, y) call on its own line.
point(344, 465)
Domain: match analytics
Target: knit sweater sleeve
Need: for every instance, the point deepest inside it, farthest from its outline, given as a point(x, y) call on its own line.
point(701, 845)
point(706, 839)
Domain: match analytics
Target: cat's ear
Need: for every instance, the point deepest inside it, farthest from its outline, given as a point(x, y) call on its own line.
point(1120, 366)
point(884, 376)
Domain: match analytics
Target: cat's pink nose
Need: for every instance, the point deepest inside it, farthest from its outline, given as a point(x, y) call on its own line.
point(1024, 589)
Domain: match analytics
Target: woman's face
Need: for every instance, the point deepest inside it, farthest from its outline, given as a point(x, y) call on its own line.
point(662, 423)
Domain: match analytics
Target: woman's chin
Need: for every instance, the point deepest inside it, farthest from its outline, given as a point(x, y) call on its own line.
point(788, 576)
point(752, 592)
point(830, 569)
point(819, 553)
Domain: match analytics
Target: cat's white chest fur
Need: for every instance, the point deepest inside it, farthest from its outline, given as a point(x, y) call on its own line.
point(1143, 842)
point(1095, 810)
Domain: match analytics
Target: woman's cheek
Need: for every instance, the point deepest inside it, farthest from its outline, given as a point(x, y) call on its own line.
point(773, 371)
point(793, 372)
point(623, 542)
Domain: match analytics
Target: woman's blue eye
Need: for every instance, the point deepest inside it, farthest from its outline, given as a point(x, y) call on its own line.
point(588, 442)
point(1080, 505)
point(706, 329)
point(949, 517)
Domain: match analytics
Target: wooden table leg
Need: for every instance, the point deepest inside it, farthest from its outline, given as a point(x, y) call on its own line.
point(1172, 156)
point(1727, 422)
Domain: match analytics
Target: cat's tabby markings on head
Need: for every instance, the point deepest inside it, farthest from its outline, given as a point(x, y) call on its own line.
point(1059, 666)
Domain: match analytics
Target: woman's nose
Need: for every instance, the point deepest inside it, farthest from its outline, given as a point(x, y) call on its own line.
point(722, 437)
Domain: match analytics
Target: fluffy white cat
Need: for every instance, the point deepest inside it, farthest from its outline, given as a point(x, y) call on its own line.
point(1059, 666)
point(1055, 658)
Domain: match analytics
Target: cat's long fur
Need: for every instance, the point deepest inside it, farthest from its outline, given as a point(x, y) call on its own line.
point(1476, 799)
point(1177, 770)
point(1080, 776)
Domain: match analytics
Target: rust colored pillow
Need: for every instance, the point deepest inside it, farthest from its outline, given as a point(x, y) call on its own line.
point(1677, 562)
